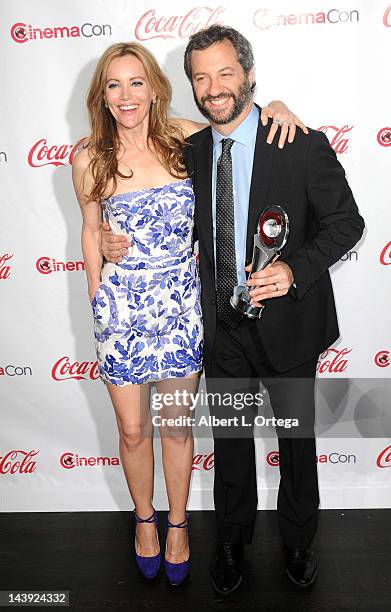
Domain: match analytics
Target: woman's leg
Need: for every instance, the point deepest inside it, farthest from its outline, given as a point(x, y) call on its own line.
point(131, 405)
point(177, 455)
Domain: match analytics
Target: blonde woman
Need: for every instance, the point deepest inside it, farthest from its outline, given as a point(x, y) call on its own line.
point(146, 307)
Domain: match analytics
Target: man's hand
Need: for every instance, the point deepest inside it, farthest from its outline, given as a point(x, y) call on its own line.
point(282, 117)
point(113, 247)
point(273, 281)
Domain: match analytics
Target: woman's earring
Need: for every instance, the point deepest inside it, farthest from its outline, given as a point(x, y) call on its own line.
point(106, 105)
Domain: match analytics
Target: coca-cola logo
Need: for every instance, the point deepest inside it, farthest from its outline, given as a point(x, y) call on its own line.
point(384, 458)
point(69, 461)
point(47, 265)
point(384, 137)
point(41, 154)
point(18, 462)
point(5, 268)
point(23, 32)
point(382, 359)
point(385, 255)
point(64, 369)
point(273, 458)
point(333, 361)
point(151, 25)
point(387, 17)
point(264, 18)
point(203, 462)
point(338, 136)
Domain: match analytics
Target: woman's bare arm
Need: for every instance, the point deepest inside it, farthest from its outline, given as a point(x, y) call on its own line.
point(286, 122)
point(92, 220)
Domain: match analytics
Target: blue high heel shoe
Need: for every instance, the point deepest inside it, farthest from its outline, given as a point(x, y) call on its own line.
point(177, 572)
point(148, 566)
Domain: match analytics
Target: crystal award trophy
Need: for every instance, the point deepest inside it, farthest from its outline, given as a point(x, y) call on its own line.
point(272, 234)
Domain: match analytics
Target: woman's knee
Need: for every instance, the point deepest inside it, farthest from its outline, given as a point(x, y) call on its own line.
point(132, 436)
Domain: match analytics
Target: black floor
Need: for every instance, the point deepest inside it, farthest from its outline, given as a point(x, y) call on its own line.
point(91, 555)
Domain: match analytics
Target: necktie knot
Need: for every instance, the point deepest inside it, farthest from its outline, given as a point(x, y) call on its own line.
point(226, 145)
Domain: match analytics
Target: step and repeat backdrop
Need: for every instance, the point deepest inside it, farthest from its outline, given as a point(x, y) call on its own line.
point(58, 438)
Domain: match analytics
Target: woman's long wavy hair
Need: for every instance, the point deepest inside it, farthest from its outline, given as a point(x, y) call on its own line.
point(104, 143)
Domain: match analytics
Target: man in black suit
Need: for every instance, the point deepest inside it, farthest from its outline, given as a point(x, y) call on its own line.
point(299, 320)
point(236, 175)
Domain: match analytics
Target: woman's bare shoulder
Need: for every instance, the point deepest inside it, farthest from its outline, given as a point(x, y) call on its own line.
point(82, 156)
point(187, 126)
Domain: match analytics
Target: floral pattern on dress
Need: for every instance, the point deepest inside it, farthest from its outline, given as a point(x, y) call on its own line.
point(147, 313)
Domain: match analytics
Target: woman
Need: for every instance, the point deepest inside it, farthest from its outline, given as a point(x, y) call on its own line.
point(146, 308)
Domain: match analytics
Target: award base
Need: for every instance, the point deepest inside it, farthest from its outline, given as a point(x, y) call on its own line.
point(241, 302)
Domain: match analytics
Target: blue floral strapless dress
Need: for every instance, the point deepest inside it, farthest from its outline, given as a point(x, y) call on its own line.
point(147, 313)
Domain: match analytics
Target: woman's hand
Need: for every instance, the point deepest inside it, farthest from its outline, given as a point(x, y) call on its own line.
point(92, 292)
point(282, 117)
point(113, 246)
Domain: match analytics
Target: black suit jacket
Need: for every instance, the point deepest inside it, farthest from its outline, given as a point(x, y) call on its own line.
point(307, 180)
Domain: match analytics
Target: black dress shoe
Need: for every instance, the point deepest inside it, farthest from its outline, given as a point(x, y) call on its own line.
point(302, 567)
point(226, 568)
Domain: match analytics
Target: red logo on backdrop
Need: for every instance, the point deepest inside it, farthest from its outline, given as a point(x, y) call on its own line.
point(23, 32)
point(18, 462)
point(151, 25)
point(333, 361)
point(264, 18)
point(41, 154)
point(203, 462)
point(47, 265)
point(384, 137)
point(382, 359)
point(72, 460)
point(387, 17)
point(385, 255)
point(384, 458)
point(273, 458)
point(63, 369)
point(339, 137)
point(5, 270)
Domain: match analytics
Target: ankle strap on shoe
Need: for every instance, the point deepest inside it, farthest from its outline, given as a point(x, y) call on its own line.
point(180, 525)
point(150, 519)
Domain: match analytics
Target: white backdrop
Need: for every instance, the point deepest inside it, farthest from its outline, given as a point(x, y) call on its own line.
point(58, 438)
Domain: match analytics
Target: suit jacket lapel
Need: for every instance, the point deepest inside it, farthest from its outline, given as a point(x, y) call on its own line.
point(202, 156)
point(262, 165)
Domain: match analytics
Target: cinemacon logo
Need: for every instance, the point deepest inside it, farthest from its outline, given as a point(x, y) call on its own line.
point(382, 359)
point(264, 18)
point(384, 458)
point(154, 25)
point(384, 137)
point(69, 461)
point(385, 255)
point(23, 32)
point(273, 458)
point(12, 370)
point(65, 369)
point(333, 361)
point(47, 265)
point(18, 462)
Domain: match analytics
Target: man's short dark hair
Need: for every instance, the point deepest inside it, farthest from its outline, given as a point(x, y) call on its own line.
point(217, 33)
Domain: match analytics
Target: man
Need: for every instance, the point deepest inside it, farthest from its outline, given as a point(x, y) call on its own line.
point(236, 175)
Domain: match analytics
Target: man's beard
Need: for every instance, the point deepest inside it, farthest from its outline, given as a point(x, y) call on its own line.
point(219, 117)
